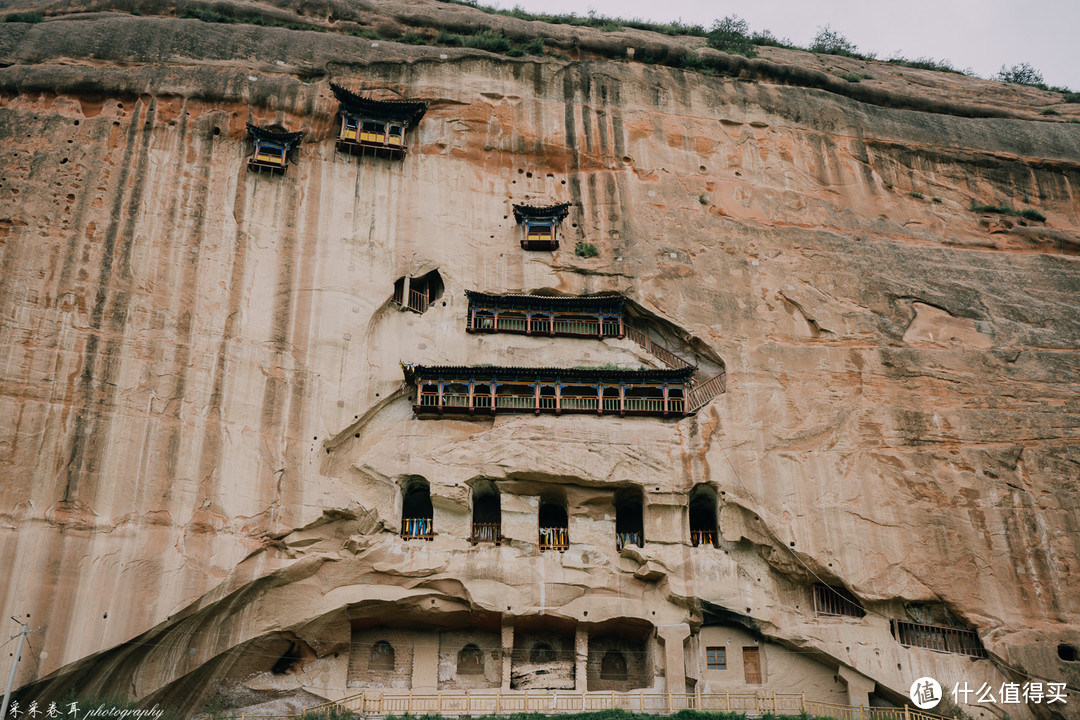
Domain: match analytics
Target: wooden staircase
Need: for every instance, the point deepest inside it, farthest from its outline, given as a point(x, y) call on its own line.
point(702, 391)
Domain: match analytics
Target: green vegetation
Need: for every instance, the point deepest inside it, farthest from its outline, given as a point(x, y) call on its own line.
point(916, 194)
point(586, 250)
point(1049, 111)
point(212, 16)
point(732, 35)
point(925, 63)
point(936, 200)
point(26, 17)
point(1029, 213)
point(1071, 97)
point(831, 42)
point(489, 40)
point(1021, 74)
point(855, 77)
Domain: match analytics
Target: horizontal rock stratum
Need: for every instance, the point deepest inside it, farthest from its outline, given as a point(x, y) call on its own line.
point(208, 450)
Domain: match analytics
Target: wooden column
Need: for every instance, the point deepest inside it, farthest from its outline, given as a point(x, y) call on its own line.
point(551, 324)
point(472, 403)
point(528, 323)
point(472, 318)
point(665, 400)
point(536, 387)
point(622, 327)
point(405, 297)
point(558, 398)
point(495, 320)
point(440, 395)
point(493, 386)
point(622, 400)
point(599, 398)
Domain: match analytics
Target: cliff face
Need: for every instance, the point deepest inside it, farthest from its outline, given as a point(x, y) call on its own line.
point(203, 434)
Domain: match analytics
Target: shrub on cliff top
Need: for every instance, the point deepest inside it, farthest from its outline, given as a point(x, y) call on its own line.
point(1021, 74)
point(26, 17)
point(831, 42)
point(731, 35)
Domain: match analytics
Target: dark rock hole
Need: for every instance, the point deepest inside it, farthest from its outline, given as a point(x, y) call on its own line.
point(1068, 653)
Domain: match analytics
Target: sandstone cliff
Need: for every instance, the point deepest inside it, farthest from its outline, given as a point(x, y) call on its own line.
point(203, 433)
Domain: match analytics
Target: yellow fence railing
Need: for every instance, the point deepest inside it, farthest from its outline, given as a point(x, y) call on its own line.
point(494, 702)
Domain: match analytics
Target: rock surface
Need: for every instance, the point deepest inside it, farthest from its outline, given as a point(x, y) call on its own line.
point(203, 435)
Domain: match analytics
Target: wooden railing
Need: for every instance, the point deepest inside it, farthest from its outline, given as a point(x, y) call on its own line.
point(417, 529)
point(658, 351)
point(939, 638)
point(702, 537)
point(497, 702)
point(543, 324)
point(486, 532)
point(554, 538)
point(706, 391)
point(547, 403)
point(418, 301)
point(830, 600)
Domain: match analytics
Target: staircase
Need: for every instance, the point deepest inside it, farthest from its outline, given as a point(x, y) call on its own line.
point(701, 391)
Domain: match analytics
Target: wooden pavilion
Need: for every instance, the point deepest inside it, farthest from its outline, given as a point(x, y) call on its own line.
point(375, 126)
point(272, 148)
point(464, 390)
point(541, 225)
point(593, 316)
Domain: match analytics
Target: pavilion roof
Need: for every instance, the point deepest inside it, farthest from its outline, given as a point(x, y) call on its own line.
point(408, 112)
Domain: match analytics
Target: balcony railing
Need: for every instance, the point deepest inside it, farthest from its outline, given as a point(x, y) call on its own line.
point(554, 538)
point(504, 402)
point(486, 532)
point(484, 320)
point(830, 600)
point(938, 638)
point(418, 301)
point(703, 537)
point(417, 529)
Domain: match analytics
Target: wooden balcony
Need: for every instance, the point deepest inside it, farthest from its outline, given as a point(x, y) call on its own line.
point(443, 391)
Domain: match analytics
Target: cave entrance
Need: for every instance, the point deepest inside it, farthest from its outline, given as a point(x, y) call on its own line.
point(487, 513)
point(629, 518)
point(703, 517)
point(417, 515)
point(554, 528)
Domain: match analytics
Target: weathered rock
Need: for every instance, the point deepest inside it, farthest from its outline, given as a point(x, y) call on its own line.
point(203, 438)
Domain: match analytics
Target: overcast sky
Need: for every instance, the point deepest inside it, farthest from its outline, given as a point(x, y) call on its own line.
point(978, 34)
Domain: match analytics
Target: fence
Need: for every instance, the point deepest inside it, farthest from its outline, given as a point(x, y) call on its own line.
point(829, 600)
point(555, 702)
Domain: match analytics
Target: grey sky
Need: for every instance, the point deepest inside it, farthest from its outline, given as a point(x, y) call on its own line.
point(978, 34)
